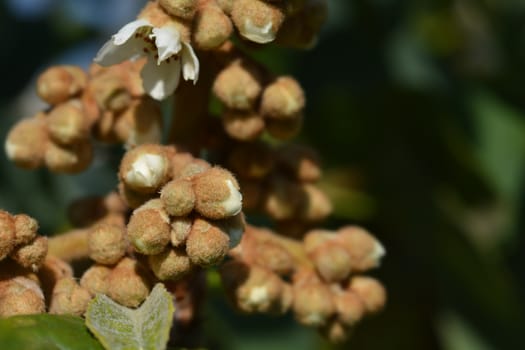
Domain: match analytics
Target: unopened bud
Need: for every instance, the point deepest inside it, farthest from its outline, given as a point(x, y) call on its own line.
point(69, 298)
point(179, 8)
point(180, 229)
point(140, 123)
point(178, 197)
point(332, 262)
point(257, 20)
point(20, 296)
point(217, 194)
point(225, 5)
point(52, 270)
point(207, 244)
point(238, 86)
point(130, 283)
point(7, 234)
point(171, 264)
point(335, 331)
point(275, 258)
point(316, 206)
point(27, 141)
point(370, 291)
point(365, 250)
point(350, 308)
point(59, 83)
point(211, 27)
point(145, 168)
point(312, 304)
point(283, 199)
point(69, 159)
point(67, 124)
point(234, 228)
point(252, 160)
point(94, 280)
point(26, 228)
point(282, 99)
point(192, 168)
point(300, 162)
point(285, 129)
point(31, 255)
point(243, 125)
point(107, 243)
point(149, 228)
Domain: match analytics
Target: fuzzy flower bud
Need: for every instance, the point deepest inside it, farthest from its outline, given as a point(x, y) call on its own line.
point(178, 197)
point(370, 291)
point(26, 143)
point(207, 244)
point(316, 205)
point(274, 257)
point(107, 243)
point(171, 264)
point(94, 280)
point(243, 125)
point(332, 262)
point(312, 303)
point(52, 270)
point(211, 27)
point(217, 194)
point(257, 20)
point(149, 228)
point(26, 229)
point(350, 309)
point(69, 159)
point(180, 229)
point(67, 124)
point(365, 250)
point(238, 86)
point(31, 255)
point(20, 296)
point(7, 234)
point(129, 283)
point(282, 99)
point(179, 8)
point(59, 83)
point(335, 331)
point(69, 298)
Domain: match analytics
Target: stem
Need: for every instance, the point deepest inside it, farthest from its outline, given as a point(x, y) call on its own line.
point(72, 245)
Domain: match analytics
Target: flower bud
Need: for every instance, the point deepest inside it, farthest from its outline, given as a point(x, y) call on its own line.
point(243, 125)
point(31, 255)
point(301, 29)
point(67, 124)
point(365, 250)
point(180, 229)
point(211, 27)
point(274, 257)
point(7, 234)
point(27, 141)
point(129, 283)
point(234, 228)
point(69, 298)
point(171, 264)
point(179, 161)
point(316, 205)
point(282, 99)
point(238, 86)
point(300, 162)
point(225, 5)
point(69, 159)
point(25, 228)
point(104, 128)
point(207, 244)
point(179, 8)
point(178, 197)
point(192, 168)
point(252, 160)
point(370, 291)
point(133, 199)
point(59, 83)
point(217, 194)
point(107, 243)
point(335, 331)
point(20, 296)
point(283, 199)
point(332, 262)
point(145, 168)
point(285, 129)
point(140, 123)
point(350, 308)
point(149, 228)
point(52, 270)
point(95, 279)
point(312, 303)
point(257, 20)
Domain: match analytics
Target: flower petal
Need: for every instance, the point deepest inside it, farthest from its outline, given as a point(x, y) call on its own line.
point(126, 32)
point(190, 63)
point(167, 40)
point(160, 80)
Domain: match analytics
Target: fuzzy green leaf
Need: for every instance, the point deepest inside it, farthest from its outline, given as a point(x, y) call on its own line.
point(118, 327)
point(46, 332)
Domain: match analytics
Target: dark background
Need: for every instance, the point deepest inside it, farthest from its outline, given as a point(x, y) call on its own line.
point(417, 109)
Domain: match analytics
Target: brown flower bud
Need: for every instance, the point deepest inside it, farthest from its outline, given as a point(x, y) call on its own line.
point(69, 298)
point(171, 264)
point(140, 123)
point(52, 270)
point(149, 228)
point(238, 86)
point(67, 124)
point(300, 162)
point(257, 20)
point(301, 29)
point(252, 160)
point(192, 168)
point(243, 125)
point(335, 331)
point(274, 257)
point(69, 159)
point(285, 129)
point(94, 280)
point(225, 5)
point(145, 168)
point(332, 262)
point(217, 194)
point(350, 308)
point(282, 99)
point(312, 304)
point(59, 83)
point(316, 205)
point(26, 143)
point(370, 291)
point(129, 283)
point(180, 229)
point(179, 161)
point(211, 27)
point(104, 129)
point(207, 244)
point(31, 255)
point(107, 243)
point(179, 8)
point(365, 250)
point(26, 229)
point(283, 199)
point(178, 197)
point(7, 234)
point(20, 296)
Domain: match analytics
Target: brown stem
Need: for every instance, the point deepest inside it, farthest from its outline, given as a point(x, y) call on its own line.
point(72, 245)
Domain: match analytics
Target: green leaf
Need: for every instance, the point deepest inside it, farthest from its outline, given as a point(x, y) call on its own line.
point(118, 327)
point(34, 332)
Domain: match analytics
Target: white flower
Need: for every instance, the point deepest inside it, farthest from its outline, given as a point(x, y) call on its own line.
point(166, 55)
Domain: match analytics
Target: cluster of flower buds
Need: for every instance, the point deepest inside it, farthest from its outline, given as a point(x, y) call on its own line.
point(108, 104)
point(319, 279)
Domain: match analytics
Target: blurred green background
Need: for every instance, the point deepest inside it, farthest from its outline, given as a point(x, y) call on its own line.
point(418, 110)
